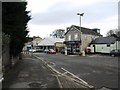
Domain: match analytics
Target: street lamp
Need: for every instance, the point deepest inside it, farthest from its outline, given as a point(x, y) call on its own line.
point(80, 14)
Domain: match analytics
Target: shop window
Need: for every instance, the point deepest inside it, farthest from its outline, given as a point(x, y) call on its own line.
point(108, 45)
point(76, 36)
point(69, 37)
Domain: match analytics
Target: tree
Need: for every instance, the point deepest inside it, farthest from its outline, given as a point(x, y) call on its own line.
point(117, 32)
point(110, 32)
point(14, 23)
point(114, 32)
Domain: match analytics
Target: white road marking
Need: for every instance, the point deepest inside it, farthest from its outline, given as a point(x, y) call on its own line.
point(64, 74)
point(53, 64)
point(66, 71)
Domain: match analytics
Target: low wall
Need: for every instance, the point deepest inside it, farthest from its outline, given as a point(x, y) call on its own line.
point(6, 63)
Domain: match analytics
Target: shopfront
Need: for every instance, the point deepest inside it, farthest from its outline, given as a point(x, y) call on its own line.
point(73, 47)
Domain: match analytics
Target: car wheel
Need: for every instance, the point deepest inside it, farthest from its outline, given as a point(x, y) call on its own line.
point(112, 55)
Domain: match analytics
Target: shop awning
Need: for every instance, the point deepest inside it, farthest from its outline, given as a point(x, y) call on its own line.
point(72, 42)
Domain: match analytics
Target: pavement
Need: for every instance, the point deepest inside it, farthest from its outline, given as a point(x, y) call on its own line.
point(31, 72)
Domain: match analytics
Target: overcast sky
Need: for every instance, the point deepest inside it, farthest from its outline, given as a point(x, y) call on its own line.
point(48, 15)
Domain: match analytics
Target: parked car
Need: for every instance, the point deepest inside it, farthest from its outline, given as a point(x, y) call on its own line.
point(46, 51)
point(115, 52)
point(32, 50)
point(39, 50)
point(88, 50)
point(51, 51)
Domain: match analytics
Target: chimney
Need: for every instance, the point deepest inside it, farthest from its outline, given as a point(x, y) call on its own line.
point(68, 28)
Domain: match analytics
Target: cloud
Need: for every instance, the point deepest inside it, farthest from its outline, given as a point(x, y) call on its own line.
point(44, 31)
point(66, 12)
point(48, 15)
point(42, 5)
point(119, 15)
point(105, 24)
point(60, 13)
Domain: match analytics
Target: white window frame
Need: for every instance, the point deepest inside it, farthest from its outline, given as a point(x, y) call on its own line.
point(69, 38)
point(76, 36)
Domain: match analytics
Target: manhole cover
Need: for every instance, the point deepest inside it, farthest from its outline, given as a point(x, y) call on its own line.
point(104, 88)
point(35, 85)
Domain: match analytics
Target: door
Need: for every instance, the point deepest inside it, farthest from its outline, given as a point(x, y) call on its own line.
point(94, 48)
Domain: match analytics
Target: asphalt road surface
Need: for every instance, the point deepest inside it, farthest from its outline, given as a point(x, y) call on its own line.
point(97, 70)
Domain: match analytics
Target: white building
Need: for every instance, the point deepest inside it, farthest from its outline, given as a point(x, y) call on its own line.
point(36, 41)
point(77, 39)
point(49, 43)
point(104, 44)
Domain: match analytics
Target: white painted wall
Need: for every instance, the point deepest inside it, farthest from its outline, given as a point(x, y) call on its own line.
point(102, 48)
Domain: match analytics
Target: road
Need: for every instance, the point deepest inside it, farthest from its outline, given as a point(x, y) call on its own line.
point(99, 71)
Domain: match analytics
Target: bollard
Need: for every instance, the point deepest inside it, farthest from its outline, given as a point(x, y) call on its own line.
point(65, 52)
point(83, 53)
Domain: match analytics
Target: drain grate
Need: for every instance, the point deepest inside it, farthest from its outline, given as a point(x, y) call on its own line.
point(35, 85)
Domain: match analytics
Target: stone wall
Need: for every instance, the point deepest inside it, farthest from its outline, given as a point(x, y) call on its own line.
point(6, 62)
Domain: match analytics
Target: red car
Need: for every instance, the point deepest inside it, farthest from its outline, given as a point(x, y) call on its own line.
point(51, 51)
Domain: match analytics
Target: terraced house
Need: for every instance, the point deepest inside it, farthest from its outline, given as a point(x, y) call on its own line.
point(77, 40)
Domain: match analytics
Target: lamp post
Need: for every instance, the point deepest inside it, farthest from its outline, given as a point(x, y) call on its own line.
point(80, 14)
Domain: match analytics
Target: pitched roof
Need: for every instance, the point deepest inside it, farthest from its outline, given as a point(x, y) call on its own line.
point(104, 40)
point(50, 41)
point(87, 30)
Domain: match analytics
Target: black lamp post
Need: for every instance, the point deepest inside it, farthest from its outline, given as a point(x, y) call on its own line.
point(80, 14)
